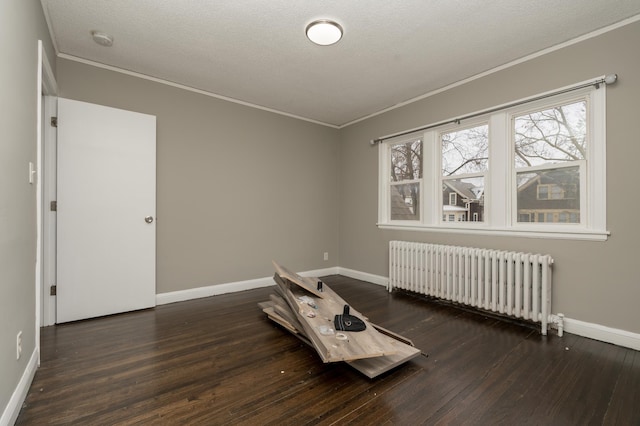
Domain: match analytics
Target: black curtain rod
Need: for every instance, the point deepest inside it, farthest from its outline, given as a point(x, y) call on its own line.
point(609, 79)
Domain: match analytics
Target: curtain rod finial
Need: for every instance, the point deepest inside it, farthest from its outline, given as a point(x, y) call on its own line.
point(611, 78)
point(374, 142)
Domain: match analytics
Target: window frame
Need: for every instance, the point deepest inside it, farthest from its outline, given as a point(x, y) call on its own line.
point(500, 189)
point(438, 132)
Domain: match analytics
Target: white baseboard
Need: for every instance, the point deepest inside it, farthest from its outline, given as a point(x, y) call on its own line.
point(603, 333)
point(364, 276)
point(11, 411)
point(214, 290)
point(320, 272)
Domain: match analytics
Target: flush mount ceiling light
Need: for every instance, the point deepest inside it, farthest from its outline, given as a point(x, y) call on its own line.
point(103, 39)
point(324, 32)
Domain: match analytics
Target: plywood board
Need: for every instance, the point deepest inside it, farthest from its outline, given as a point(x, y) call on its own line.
point(308, 284)
point(282, 309)
point(373, 367)
point(277, 318)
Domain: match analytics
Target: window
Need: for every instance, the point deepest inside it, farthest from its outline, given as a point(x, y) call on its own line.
point(550, 147)
point(465, 159)
point(551, 192)
point(405, 180)
point(536, 169)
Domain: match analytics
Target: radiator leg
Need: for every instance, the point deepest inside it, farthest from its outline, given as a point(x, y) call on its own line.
point(558, 321)
point(560, 325)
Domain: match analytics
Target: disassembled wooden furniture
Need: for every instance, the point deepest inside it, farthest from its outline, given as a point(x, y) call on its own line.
point(307, 307)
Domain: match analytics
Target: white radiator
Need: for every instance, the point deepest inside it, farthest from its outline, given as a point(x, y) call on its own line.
point(508, 283)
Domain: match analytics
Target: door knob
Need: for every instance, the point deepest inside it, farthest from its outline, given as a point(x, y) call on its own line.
point(148, 219)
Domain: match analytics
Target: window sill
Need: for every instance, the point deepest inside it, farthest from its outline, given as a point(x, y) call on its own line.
point(562, 234)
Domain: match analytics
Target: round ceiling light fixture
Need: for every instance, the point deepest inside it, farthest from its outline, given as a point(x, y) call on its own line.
point(103, 39)
point(324, 32)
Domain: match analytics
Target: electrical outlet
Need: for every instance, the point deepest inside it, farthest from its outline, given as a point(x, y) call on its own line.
point(19, 345)
point(326, 255)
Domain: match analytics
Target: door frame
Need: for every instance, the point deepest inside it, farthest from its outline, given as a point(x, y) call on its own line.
point(49, 217)
point(45, 193)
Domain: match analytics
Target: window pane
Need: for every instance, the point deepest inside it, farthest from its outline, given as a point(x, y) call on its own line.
point(523, 217)
point(550, 136)
point(463, 199)
point(550, 195)
point(405, 201)
point(465, 151)
point(406, 161)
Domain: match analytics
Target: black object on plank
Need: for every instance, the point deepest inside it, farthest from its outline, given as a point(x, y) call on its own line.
point(348, 322)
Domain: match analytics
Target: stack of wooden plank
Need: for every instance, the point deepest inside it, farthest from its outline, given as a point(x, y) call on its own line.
point(307, 307)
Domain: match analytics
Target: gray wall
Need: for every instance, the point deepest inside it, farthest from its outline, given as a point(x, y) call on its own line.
point(593, 281)
point(21, 25)
point(236, 186)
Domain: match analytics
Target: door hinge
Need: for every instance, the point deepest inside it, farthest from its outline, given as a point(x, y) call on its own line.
point(54, 206)
point(54, 121)
point(53, 290)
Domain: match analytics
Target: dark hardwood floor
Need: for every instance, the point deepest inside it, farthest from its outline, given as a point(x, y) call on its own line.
point(219, 360)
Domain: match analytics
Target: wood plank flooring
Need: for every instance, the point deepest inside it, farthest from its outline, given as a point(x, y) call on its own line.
point(219, 361)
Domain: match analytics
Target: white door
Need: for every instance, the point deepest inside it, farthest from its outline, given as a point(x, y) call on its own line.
point(106, 210)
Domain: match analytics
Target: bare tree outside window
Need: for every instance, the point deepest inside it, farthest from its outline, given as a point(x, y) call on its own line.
point(553, 135)
point(465, 151)
point(406, 161)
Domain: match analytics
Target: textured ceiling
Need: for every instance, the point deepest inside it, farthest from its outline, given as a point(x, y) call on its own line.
point(255, 51)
